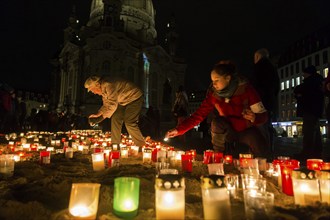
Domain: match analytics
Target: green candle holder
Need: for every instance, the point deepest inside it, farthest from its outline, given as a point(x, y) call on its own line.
point(126, 197)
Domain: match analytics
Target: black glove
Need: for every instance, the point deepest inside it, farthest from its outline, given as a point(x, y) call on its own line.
point(94, 121)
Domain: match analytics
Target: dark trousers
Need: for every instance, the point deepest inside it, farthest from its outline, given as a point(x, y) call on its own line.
point(312, 139)
point(251, 138)
point(129, 115)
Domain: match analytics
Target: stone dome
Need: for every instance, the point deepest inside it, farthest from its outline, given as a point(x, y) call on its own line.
point(138, 17)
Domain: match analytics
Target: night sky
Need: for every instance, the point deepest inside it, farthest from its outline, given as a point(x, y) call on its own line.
point(209, 30)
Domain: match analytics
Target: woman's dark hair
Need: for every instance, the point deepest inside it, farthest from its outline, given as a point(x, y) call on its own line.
point(225, 68)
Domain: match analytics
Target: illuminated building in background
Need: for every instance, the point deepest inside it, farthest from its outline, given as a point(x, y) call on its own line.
point(119, 40)
point(314, 49)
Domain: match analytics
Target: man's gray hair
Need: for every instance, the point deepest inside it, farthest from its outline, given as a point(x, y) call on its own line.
point(263, 52)
point(91, 82)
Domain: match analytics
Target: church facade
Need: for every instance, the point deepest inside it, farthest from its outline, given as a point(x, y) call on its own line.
point(119, 40)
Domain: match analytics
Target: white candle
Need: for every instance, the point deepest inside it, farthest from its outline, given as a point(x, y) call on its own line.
point(98, 161)
point(216, 204)
point(170, 204)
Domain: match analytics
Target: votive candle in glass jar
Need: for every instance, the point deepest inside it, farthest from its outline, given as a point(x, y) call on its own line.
point(170, 197)
point(114, 159)
point(186, 163)
point(84, 200)
point(218, 157)
point(314, 164)
point(208, 156)
point(69, 152)
point(324, 180)
point(305, 187)
point(228, 159)
point(146, 156)
point(7, 164)
point(98, 161)
point(44, 157)
point(216, 201)
point(126, 197)
point(123, 152)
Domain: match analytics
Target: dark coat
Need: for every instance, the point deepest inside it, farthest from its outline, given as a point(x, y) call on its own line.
point(310, 96)
point(267, 83)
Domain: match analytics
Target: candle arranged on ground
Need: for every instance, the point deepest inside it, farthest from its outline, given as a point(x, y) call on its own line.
point(126, 197)
point(228, 159)
point(98, 161)
point(305, 187)
point(216, 202)
point(324, 180)
point(314, 164)
point(186, 162)
point(44, 157)
point(84, 199)
point(208, 156)
point(146, 155)
point(170, 197)
point(7, 164)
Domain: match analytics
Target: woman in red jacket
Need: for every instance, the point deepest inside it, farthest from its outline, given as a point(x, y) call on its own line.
point(239, 111)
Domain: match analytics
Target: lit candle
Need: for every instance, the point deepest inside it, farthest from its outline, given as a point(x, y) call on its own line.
point(217, 157)
point(135, 150)
point(126, 197)
point(147, 155)
point(123, 152)
point(305, 187)
point(186, 163)
point(114, 159)
point(228, 159)
point(314, 164)
point(98, 161)
point(7, 164)
point(170, 197)
point(84, 200)
point(208, 157)
point(69, 152)
point(44, 157)
point(324, 180)
point(216, 203)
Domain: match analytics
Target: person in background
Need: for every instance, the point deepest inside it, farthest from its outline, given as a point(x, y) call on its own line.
point(180, 108)
point(267, 83)
point(9, 106)
point(310, 105)
point(239, 112)
point(122, 101)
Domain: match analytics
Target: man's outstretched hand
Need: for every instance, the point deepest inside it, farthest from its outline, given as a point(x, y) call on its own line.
point(96, 120)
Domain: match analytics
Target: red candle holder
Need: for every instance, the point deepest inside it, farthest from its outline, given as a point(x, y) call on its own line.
point(228, 159)
point(208, 157)
point(286, 169)
point(325, 166)
point(186, 162)
point(154, 154)
point(218, 157)
point(113, 158)
point(44, 157)
point(314, 164)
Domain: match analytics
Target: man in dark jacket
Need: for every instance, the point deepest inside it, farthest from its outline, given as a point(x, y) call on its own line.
point(267, 84)
point(310, 105)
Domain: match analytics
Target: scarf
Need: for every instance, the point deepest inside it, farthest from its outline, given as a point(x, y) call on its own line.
point(229, 91)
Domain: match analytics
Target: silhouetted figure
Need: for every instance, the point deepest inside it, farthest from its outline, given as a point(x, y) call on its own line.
point(9, 107)
point(267, 84)
point(310, 105)
point(180, 108)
